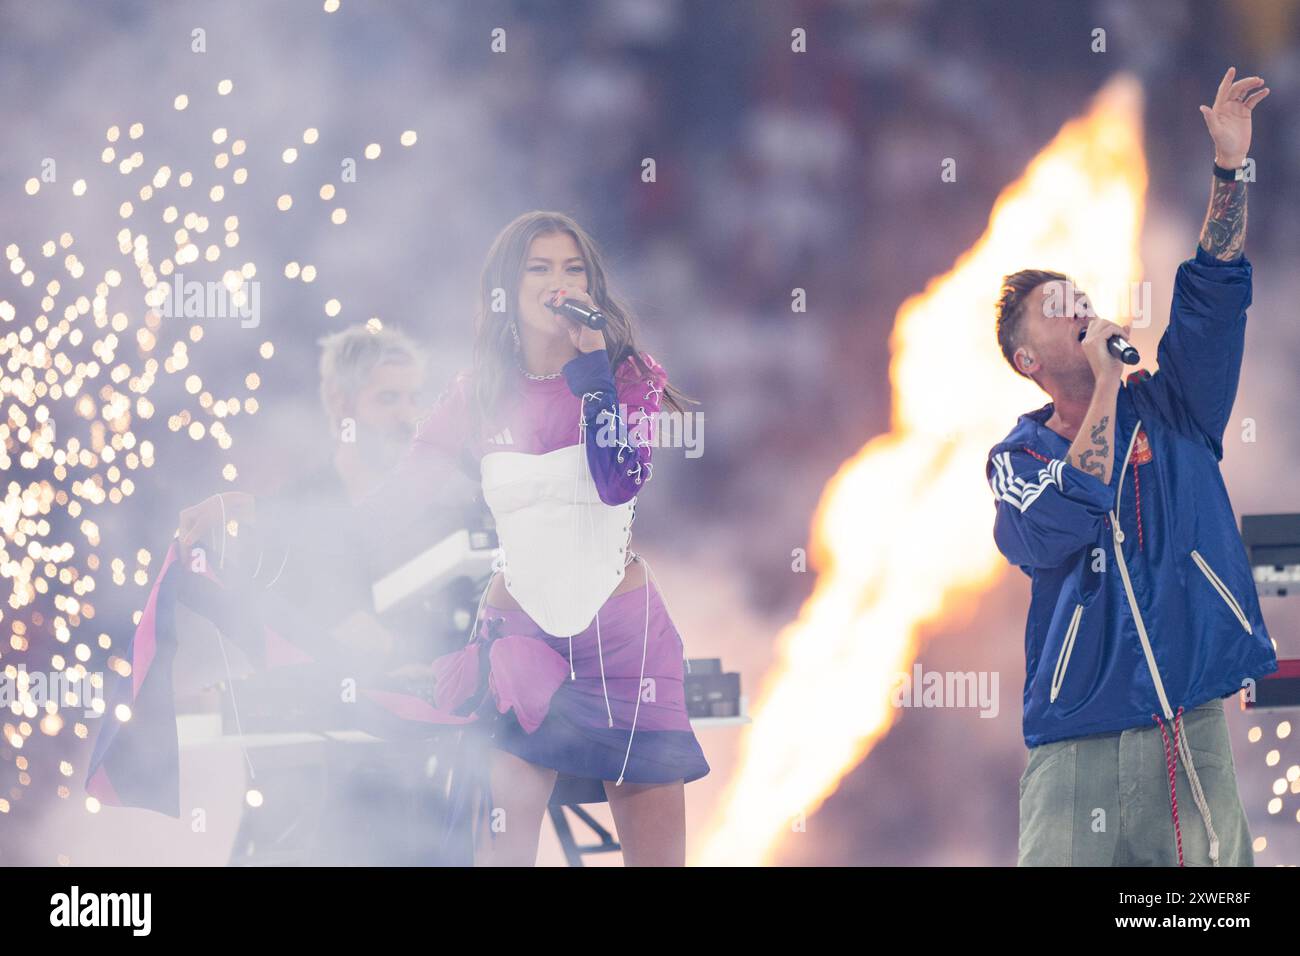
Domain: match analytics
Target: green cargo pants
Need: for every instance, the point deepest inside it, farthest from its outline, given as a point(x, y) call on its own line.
point(1103, 799)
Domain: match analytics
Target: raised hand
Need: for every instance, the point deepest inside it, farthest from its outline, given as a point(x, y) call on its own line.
point(1229, 119)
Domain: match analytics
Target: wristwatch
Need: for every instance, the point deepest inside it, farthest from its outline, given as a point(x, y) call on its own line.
point(1230, 175)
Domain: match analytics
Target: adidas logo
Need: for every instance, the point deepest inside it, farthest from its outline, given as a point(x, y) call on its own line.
point(502, 438)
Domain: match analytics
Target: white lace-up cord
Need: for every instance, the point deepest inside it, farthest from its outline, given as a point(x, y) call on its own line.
point(591, 523)
point(482, 603)
point(577, 479)
point(577, 483)
point(641, 443)
point(645, 643)
point(600, 651)
point(600, 654)
point(1198, 794)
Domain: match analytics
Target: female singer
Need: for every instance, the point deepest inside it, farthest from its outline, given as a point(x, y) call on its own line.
point(574, 663)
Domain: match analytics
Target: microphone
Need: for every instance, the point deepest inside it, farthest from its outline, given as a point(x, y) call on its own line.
point(1119, 348)
point(580, 311)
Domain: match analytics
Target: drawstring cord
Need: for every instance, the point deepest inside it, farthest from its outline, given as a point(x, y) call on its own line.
point(600, 654)
point(1198, 794)
point(1137, 491)
point(1171, 764)
point(577, 482)
point(640, 681)
point(577, 529)
point(498, 565)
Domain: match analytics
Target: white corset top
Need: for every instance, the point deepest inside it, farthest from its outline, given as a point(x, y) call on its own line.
point(563, 549)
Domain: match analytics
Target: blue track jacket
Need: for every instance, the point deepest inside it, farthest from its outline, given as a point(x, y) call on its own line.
point(1143, 598)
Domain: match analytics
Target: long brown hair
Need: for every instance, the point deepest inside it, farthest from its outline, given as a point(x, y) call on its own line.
point(494, 347)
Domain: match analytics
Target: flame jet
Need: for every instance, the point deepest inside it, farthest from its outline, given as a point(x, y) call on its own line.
point(902, 535)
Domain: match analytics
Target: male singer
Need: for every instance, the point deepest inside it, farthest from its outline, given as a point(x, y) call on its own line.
point(1143, 614)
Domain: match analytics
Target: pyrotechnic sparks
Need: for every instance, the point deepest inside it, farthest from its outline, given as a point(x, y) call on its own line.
point(91, 358)
point(902, 533)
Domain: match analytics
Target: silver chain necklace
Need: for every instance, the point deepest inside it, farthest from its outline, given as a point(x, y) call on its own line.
point(514, 332)
point(537, 378)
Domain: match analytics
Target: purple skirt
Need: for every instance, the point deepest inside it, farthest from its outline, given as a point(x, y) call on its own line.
point(556, 711)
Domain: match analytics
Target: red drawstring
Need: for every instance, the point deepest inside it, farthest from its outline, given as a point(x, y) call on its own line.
point(1137, 488)
point(1171, 761)
point(1036, 454)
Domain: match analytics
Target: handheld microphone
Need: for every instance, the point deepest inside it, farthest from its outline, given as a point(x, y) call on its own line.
point(591, 318)
point(1119, 348)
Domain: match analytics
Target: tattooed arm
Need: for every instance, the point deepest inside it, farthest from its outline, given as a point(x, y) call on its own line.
point(1093, 449)
point(1224, 233)
point(1201, 351)
point(1228, 120)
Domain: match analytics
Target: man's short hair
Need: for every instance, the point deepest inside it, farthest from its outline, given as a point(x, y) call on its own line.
point(1011, 307)
point(349, 356)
